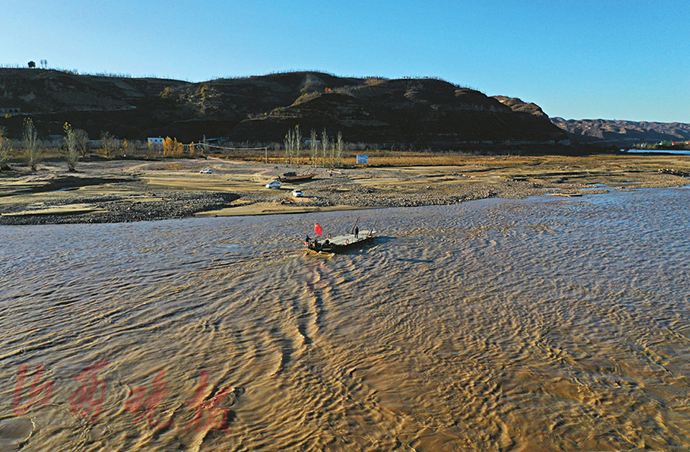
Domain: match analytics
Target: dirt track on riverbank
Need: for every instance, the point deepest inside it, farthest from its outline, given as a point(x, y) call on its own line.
point(135, 190)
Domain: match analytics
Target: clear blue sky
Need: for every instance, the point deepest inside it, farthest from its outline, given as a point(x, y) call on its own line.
point(576, 58)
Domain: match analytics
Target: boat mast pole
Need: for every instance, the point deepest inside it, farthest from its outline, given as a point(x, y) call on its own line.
point(352, 230)
point(372, 229)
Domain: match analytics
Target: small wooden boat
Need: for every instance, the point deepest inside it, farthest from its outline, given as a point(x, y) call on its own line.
point(342, 243)
point(294, 177)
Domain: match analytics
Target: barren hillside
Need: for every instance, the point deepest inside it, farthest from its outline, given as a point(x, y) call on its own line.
point(418, 113)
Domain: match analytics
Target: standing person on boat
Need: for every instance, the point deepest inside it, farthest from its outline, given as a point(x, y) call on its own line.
point(356, 231)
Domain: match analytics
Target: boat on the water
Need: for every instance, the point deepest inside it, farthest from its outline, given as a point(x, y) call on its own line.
point(341, 243)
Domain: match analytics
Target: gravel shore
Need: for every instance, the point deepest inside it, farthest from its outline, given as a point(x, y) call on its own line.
point(114, 209)
point(125, 191)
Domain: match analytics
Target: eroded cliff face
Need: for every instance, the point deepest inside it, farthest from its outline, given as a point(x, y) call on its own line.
point(416, 112)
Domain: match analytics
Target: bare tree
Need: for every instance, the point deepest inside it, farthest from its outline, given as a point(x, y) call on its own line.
point(339, 150)
point(292, 143)
point(72, 154)
point(109, 144)
point(298, 142)
point(314, 148)
point(5, 149)
point(324, 143)
point(82, 141)
point(288, 142)
point(31, 144)
point(332, 156)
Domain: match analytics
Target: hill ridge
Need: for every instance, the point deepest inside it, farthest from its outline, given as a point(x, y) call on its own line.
point(622, 132)
point(415, 112)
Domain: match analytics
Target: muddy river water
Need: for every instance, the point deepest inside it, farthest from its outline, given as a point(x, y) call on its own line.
point(537, 324)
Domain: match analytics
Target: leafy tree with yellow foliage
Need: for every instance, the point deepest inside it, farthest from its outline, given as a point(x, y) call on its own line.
point(178, 148)
point(167, 146)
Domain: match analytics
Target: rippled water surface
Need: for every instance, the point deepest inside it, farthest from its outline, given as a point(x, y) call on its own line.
point(541, 324)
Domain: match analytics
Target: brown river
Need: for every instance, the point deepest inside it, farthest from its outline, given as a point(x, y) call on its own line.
point(538, 324)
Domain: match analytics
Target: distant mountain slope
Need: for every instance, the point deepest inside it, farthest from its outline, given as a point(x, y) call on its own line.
point(413, 112)
point(623, 132)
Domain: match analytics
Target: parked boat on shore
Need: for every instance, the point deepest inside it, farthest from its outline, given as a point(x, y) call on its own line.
point(294, 177)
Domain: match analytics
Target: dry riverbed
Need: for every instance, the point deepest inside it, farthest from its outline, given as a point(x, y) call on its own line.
point(109, 191)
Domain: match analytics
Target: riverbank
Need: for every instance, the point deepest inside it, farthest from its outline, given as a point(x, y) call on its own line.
point(109, 191)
